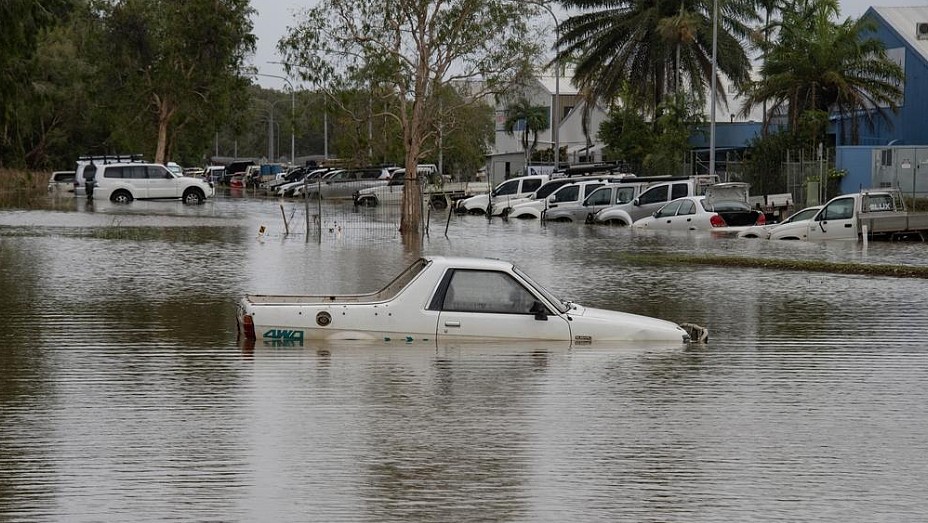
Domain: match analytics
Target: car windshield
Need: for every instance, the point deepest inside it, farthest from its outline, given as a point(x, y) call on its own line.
point(554, 300)
point(802, 215)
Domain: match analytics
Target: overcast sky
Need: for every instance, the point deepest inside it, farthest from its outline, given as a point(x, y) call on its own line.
point(274, 16)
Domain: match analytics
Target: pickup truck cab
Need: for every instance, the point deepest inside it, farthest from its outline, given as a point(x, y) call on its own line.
point(501, 195)
point(871, 214)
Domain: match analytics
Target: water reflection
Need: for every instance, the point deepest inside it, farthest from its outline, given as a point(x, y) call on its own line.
point(125, 388)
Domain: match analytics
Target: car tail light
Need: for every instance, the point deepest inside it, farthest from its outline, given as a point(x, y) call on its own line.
point(717, 221)
point(248, 326)
point(761, 219)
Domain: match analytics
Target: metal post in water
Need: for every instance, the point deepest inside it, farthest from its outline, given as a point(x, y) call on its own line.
point(319, 203)
point(306, 207)
point(286, 225)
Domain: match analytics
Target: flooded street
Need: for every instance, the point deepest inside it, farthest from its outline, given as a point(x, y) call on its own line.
point(125, 394)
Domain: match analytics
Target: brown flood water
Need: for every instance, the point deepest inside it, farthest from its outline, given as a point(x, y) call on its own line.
point(125, 394)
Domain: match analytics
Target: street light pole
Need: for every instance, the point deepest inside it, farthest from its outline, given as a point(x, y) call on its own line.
point(715, 37)
point(556, 110)
point(292, 113)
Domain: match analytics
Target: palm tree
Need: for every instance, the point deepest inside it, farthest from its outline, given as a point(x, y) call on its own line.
point(653, 45)
point(521, 115)
point(816, 64)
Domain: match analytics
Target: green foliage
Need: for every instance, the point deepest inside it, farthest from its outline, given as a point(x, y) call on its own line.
point(653, 46)
point(25, 23)
point(627, 137)
point(172, 65)
point(527, 119)
point(816, 63)
point(678, 115)
point(653, 149)
point(410, 51)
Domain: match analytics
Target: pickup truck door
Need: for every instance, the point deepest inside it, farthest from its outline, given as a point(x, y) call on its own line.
point(487, 304)
point(836, 221)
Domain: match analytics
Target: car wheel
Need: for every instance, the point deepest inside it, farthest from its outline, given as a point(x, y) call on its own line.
point(193, 197)
point(476, 211)
point(121, 196)
point(616, 223)
point(439, 203)
point(369, 202)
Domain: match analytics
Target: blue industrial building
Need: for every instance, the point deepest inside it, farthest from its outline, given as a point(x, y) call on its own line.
point(889, 152)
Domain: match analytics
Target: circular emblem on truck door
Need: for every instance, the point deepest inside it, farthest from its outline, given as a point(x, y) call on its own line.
point(323, 318)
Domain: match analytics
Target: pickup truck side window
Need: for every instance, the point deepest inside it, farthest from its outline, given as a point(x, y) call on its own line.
point(679, 190)
point(507, 188)
point(653, 195)
point(531, 185)
point(842, 209)
point(624, 194)
point(487, 292)
point(599, 197)
point(571, 193)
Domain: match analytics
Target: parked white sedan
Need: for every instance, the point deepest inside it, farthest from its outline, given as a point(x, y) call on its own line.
point(792, 228)
point(695, 213)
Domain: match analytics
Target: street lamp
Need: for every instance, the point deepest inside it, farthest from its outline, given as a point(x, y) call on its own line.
point(715, 37)
point(325, 114)
point(555, 112)
point(292, 113)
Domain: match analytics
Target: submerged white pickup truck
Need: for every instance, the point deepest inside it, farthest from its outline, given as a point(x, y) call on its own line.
point(438, 299)
point(868, 214)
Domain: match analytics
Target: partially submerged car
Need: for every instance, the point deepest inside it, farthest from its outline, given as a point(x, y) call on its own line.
point(447, 298)
point(61, 183)
point(792, 228)
point(724, 207)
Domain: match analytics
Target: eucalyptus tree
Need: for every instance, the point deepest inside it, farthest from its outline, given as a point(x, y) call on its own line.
point(655, 46)
point(816, 63)
point(413, 49)
point(174, 64)
point(24, 24)
point(530, 119)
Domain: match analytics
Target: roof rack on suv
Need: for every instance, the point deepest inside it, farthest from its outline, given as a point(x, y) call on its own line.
point(112, 158)
point(594, 168)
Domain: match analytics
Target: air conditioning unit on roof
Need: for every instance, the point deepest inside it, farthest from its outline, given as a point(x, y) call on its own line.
point(921, 30)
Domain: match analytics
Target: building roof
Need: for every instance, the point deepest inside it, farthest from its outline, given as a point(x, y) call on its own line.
point(904, 21)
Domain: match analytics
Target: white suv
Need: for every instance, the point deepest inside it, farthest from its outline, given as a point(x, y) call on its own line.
point(124, 182)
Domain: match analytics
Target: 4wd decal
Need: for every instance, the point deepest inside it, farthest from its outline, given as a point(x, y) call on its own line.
point(283, 335)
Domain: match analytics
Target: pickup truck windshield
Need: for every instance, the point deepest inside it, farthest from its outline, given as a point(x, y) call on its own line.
point(557, 303)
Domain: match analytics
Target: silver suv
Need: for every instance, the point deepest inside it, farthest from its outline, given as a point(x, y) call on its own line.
point(124, 182)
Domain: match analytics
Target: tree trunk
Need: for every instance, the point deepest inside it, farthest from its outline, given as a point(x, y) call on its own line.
point(412, 196)
point(166, 112)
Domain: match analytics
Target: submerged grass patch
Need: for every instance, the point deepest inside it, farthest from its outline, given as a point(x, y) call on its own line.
point(900, 271)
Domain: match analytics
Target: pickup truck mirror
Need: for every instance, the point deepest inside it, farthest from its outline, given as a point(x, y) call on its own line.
point(552, 198)
point(635, 202)
point(539, 310)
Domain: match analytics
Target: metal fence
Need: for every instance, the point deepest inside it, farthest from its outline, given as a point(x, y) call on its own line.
point(340, 217)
